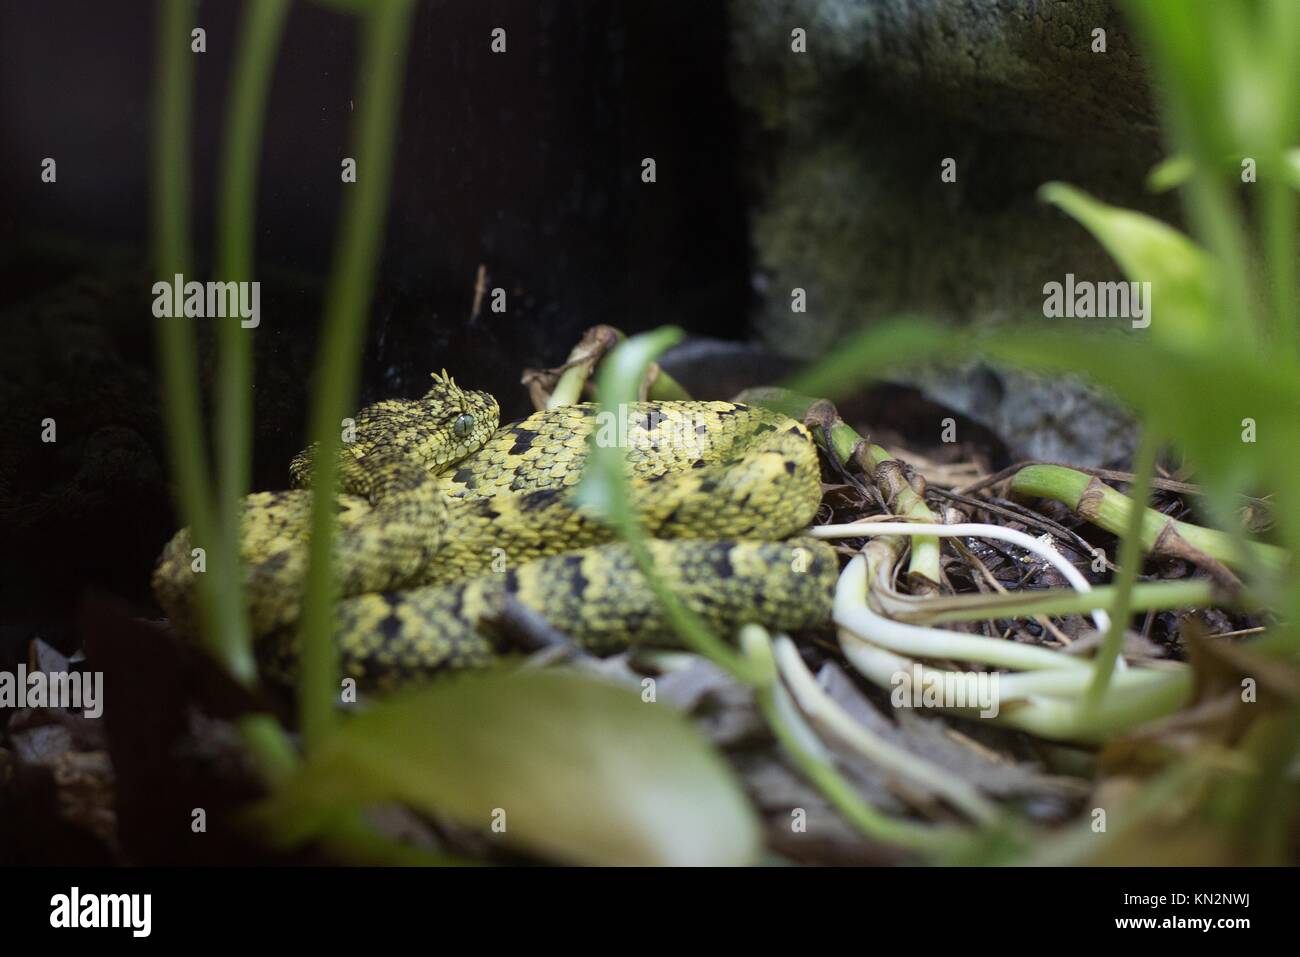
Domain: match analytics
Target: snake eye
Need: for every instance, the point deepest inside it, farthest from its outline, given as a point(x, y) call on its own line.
point(464, 424)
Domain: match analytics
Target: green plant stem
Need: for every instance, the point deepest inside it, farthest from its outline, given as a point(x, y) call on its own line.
point(822, 711)
point(619, 376)
point(259, 37)
point(1130, 561)
point(665, 388)
point(271, 748)
point(1052, 718)
point(219, 615)
point(618, 382)
point(568, 391)
point(260, 31)
point(924, 564)
point(1105, 507)
point(883, 469)
point(1146, 596)
point(1279, 218)
point(383, 58)
point(876, 826)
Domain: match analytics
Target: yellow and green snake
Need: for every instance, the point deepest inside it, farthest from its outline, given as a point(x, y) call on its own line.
point(443, 517)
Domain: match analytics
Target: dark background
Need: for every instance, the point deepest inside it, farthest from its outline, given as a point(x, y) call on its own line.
point(527, 163)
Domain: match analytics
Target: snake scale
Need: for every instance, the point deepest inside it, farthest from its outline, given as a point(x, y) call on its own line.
point(444, 517)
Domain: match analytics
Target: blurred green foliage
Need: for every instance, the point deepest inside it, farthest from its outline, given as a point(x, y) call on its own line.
point(1216, 373)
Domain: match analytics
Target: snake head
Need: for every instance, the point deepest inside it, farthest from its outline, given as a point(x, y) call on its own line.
point(467, 418)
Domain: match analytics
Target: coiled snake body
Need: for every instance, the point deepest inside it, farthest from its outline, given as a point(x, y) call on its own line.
point(443, 517)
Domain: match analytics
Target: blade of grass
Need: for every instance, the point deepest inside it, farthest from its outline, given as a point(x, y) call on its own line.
point(259, 37)
point(219, 610)
point(1130, 561)
point(383, 59)
point(605, 487)
point(260, 31)
point(1147, 596)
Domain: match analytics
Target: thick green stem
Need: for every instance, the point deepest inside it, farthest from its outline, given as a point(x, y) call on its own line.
point(884, 470)
point(924, 564)
point(596, 342)
point(568, 391)
point(383, 58)
point(665, 388)
point(1100, 504)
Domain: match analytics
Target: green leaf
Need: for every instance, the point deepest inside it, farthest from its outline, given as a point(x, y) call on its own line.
point(880, 349)
point(602, 486)
point(1291, 167)
point(1147, 250)
point(1168, 173)
point(583, 771)
point(604, 489)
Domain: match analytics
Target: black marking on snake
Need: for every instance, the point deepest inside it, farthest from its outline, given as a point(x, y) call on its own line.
point(720, 562)
point(276, 561)
point(650, 421)
point(523, 440)
point(698, 464)
point(535, 501)
point(573, 565)
point(465, 476)
point(390, 627)
point(458, 604)
point(636, 620)
point(789, 467)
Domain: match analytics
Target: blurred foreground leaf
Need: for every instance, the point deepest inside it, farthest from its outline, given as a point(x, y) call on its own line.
point(1180, 273)
point(579, 770)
